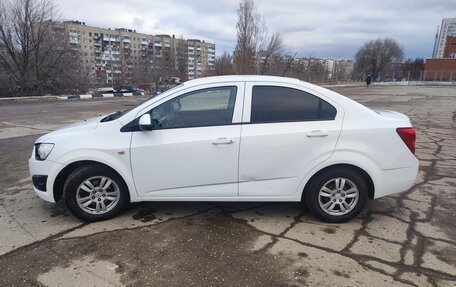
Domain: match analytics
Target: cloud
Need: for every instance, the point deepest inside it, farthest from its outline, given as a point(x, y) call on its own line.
point(334, 28)
point(138, 23)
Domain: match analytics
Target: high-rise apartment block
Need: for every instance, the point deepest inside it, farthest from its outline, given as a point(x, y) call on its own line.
point(117, 56)
point(447, 31)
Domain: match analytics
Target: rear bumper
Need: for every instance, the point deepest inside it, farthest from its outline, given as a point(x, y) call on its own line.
point(396, 180)
point(43, 176)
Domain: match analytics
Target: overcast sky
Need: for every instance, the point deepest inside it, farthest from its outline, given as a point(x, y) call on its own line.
point(334, 29)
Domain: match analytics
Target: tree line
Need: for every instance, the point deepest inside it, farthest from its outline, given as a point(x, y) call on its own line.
point(259, 51)
point(37, 60)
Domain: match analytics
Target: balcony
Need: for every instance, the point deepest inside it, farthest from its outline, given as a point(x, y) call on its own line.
point(74, 40)
point(110, 39)
point(144, 42)
point(126, 40)
point(157, 44)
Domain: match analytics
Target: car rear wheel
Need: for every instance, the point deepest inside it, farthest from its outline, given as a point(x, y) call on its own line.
point(94, 193)
point(337, 194)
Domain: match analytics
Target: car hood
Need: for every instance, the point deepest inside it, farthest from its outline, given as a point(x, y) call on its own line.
point(77, 127)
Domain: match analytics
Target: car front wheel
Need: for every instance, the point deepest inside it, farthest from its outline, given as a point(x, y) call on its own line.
point(337, 194)
point(94, 193)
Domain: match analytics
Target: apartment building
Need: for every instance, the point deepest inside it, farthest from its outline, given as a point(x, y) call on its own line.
point(448, 29)
point(119, 56)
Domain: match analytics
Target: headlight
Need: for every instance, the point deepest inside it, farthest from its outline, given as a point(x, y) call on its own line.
point(42, 150)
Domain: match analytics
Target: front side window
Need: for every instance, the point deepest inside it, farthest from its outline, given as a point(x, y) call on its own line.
point(207, 107)
point(280, 104)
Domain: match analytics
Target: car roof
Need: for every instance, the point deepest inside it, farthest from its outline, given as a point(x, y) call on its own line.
point(241, 78)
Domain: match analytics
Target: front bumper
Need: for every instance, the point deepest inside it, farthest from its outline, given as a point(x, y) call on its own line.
point(43, 176)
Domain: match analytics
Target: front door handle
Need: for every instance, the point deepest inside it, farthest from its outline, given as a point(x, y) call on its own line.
point(316, 134)
point(222, 141)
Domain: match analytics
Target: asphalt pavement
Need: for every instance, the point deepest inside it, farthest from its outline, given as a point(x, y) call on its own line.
point(407, 239)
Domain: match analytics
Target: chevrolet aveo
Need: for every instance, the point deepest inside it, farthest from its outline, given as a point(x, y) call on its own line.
point(230, 138)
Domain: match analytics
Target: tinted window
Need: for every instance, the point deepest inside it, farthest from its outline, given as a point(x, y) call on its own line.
point(280, 104)
point(207, 107)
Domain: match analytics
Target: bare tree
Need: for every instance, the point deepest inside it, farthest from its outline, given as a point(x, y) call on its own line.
point(181, 58)
point(224, 64)
point(374, 55)
point(257, 50)
point(274, 49)
point(34, 53)
point(250, 35)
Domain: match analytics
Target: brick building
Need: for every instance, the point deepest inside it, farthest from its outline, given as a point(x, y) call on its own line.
point(450, 47)
point(442, 67)
point(440, 70)
point(447, 29)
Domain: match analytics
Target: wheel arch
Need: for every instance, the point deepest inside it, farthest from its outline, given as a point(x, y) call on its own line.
point(362, 172)
point(62, 176)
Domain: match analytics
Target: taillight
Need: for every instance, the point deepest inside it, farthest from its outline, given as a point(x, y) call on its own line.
point(408, 135)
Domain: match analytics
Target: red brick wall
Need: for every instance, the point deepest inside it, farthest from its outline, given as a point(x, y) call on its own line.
point(450, 47)
point(440, 69)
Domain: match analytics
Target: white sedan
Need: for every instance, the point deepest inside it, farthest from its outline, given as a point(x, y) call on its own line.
point(230, 138)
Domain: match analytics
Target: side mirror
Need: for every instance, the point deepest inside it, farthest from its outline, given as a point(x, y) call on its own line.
point(145, 123)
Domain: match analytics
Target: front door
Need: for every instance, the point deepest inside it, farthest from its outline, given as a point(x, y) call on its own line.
point(192, 152)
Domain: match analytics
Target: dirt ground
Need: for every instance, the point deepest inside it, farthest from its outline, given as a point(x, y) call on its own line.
point(406, 239)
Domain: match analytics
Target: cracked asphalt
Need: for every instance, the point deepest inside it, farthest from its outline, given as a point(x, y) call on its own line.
point(407, 239)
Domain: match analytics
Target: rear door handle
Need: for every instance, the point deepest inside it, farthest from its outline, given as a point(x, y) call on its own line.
point(316, 134)
point(222, 141)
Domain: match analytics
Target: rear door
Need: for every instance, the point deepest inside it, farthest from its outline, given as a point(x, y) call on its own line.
point(287, 131)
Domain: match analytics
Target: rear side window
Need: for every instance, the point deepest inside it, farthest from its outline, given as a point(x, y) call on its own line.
point(280, 104)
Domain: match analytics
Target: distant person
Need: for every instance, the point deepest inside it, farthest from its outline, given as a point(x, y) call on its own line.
point(368, 80)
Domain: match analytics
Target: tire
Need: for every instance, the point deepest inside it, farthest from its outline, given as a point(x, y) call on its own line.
point(95, 193)
point(336, 195)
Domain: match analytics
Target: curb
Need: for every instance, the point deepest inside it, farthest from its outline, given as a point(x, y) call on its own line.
point(77, 97)
point(83, 97)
